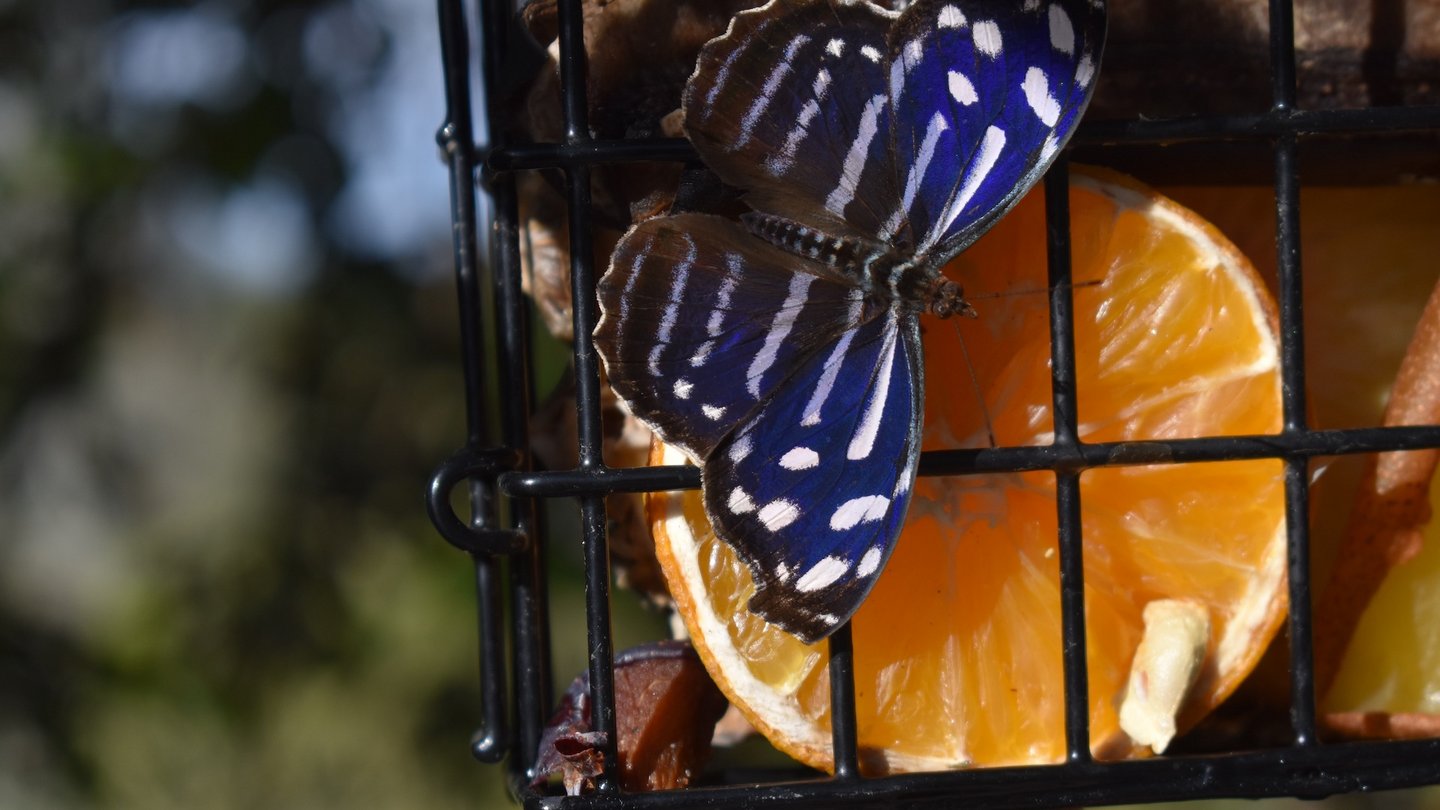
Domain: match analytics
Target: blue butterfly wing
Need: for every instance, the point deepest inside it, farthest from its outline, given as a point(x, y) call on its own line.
point(701, 322)
point(792, 104)
point(801, 401)
point(985, 94)
point(811, 491)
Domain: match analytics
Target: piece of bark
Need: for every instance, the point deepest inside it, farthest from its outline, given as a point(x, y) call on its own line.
point(1197, 57)
point(666, 708)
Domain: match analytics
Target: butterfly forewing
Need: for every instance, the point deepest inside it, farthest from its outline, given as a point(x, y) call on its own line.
point(794, 108)
point(812, 489)
point(985, 94)
point(701, 322)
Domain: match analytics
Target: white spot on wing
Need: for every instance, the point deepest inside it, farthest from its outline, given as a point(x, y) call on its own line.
point(779, 330)
point(672, 310)
point(682, 388)
point(951, 17)
point(822, 574)
point(1047, 149)
point(961, 89)
point(712, 412)
point(833, 362)
point(869, 52)
point(780, 163)
point(865, 509)
point(772, 84)
point(740, 449)
point(864, 440)
point(1037, 95)
point(855, 159)
point(740, 501)
point(717, 315)
point(782, 572)
point(907, 477)
point(869, 562)
point(835, 47)
point(990, 147)
point(1085, 71)
point(800, 458)
point(987, 38)
point(1062, 33)
point(933, 130)
point(778, 514)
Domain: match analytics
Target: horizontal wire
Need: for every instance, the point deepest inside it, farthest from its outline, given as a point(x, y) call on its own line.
point(1309, 773)
point(1259, 126)
point(570, 483)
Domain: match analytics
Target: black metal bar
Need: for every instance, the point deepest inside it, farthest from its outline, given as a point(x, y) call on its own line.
point(1065, 417)
point(1310, 444)
point(1282, 54)
point(844, 732)
point(491, 740)
point(549, 156)
point(1292, 375)
point(587, 392)
point(1260, 126)
point(480, 468)
point(1264, 126)
point(456, 137)
point(534, 686)
point(1311, 773)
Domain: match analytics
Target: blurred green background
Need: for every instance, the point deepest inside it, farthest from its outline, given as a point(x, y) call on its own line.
point(228, 364)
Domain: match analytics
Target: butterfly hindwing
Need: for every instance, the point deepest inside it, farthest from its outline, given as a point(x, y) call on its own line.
point(985, 94)
point(702, 321)
point(812, 489)
point(793, 107)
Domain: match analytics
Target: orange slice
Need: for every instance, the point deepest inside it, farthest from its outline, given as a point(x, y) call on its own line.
point(1383, 599)
point(958, 649)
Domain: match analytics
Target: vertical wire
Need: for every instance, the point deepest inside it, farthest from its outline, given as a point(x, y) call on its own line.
point(534, 688)
point(1292, 376)
point(456, 137)
point(843, 728)
point(1067, 481)
point(587, 391)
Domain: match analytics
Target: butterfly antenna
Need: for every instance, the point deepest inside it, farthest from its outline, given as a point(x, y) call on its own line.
point(987, 296)
point(975, 384)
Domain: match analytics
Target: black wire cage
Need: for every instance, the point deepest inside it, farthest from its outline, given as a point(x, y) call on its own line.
point(505, 544)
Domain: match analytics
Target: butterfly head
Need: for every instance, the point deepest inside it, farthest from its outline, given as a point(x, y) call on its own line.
point(947, 299)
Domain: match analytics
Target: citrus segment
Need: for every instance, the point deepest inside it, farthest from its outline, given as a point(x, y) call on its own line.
point(1393, 661)
point(1383, 599)
point(958, 647)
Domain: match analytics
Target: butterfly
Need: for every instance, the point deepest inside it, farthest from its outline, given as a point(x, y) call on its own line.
point(782, 351)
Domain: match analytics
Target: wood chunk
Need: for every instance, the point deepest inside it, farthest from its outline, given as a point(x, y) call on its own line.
point(666, 708)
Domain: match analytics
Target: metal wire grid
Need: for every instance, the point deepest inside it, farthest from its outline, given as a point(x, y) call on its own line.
point(506, 551)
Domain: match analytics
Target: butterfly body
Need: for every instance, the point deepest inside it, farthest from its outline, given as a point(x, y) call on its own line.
point(887, 276)
point(782, 352)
